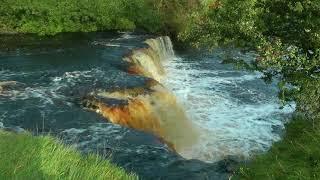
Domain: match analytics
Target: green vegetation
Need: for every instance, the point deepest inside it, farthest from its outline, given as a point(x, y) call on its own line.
point(285, 34)
point(23, 156)
point(296, 157)
point(219, 22)
point(252, 21)
point(54, 16)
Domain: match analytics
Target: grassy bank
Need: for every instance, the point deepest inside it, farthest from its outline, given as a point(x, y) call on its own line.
point(297, 156)
point(27, 157)
point(285, 34)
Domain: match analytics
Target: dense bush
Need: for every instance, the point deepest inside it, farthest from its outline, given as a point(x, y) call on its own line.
point(174, 13)
point(54, 16)
point(296, 22)
point(221, 21)
point(218, 21)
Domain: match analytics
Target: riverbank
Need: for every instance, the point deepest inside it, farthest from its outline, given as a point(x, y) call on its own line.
point(297, 156)
point(217, 22)
point(24, 156)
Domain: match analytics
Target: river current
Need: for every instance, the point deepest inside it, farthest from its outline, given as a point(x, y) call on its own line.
point(238, 114)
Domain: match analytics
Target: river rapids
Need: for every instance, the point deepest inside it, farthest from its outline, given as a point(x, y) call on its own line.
point(160, 113)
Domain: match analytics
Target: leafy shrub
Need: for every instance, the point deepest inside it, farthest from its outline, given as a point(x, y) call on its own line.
point(54, 16)
point(221, 21)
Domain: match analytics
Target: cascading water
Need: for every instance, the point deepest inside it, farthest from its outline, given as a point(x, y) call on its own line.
point(212, 98)
point(224, 111)
point(149, 61)
point(162, 46)
point(152, 108)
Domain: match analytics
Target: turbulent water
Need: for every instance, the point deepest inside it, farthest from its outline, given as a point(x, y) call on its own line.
point(237, 114)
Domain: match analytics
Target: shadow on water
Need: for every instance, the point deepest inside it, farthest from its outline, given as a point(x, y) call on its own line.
point(151, 166)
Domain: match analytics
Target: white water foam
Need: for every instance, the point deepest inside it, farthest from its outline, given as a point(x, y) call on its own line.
point(230, 127)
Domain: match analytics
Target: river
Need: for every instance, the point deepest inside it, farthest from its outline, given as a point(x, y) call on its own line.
point(236, 114)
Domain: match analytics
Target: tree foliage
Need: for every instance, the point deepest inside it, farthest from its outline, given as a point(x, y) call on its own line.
point(221, 21)
point(285, 34)
point(286, 37)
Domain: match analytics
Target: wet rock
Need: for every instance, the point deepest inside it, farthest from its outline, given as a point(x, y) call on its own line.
point(230, 163)
point(7, 87)
point(15, 129)
point(152, 109)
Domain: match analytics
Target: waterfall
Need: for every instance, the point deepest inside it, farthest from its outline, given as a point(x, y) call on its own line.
point(163, 46)
point(148, 61)
point(151, 108)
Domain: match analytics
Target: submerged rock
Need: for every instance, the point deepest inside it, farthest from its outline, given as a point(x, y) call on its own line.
point(14, 129)
point(7, 88)
point(6, 85)
point(150, 108)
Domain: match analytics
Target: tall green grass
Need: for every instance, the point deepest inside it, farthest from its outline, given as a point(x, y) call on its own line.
point(23, 156)
point(297, 156)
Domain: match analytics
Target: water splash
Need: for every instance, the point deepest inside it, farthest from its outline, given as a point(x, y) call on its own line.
point(238, 113)
point(151, 108)
point(230, 116)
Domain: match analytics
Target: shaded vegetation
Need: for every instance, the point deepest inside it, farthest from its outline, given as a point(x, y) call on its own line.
point(23, 156)
point(285, 35)
point(296, 157)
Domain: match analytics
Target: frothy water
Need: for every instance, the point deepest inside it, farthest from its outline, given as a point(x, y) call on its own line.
point(149, 61)
point(151, 108)
point(238, 113)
